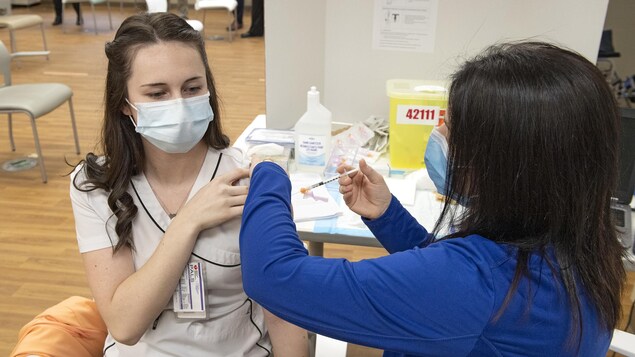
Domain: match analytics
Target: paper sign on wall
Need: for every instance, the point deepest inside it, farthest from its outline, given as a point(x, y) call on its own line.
point(405, 25)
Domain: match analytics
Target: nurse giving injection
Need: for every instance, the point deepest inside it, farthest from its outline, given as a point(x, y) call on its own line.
point(532, 254)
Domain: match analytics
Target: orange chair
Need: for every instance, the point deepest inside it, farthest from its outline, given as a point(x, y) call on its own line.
point(71, 328)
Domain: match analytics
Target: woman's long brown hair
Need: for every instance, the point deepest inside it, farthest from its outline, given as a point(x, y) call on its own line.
point(123, 155)
point(533, 151)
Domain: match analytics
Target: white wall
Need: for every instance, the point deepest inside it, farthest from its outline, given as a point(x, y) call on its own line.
point(328, 43)
point(294, 57)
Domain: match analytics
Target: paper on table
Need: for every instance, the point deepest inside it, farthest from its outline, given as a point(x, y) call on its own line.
point(403, 189)
point(307, 208)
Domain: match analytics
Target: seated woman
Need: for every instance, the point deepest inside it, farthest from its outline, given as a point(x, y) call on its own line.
point(532, 266)
point(158, 215)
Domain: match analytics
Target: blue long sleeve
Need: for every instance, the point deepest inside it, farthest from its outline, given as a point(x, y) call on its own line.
point(397, 230)
point(440, 300)
point(375, 302)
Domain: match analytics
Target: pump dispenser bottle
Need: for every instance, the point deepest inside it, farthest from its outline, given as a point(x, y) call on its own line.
point(313, 135)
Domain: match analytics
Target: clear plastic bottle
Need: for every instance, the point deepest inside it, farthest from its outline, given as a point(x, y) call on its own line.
point(313, 135)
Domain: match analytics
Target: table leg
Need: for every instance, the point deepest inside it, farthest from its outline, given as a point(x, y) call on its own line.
point(316, 249)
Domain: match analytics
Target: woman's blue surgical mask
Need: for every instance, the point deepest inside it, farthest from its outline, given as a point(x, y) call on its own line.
point(436, 159)
point(174, 126)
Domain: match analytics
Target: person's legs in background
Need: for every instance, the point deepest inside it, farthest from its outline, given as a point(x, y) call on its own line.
point(257, 28)
point(57, 4)
point(238, 22)
point(183, 7)
point(58, 13)
point(78, 11)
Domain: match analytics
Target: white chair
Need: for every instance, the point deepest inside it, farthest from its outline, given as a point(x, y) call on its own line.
point(329, 347)
point(17, 22)
point(92, 7)
point(623, 343)
point(228, 5)
point(34, 100)
point(162, 6)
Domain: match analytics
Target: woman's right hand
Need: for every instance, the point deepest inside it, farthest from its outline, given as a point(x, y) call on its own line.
point(217, 202)
point(365, 191)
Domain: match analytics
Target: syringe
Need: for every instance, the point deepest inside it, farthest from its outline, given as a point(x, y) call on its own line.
point(324, 182)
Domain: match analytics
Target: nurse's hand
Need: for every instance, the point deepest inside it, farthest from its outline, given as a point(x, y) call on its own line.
point(217, 202)
point(365, 191)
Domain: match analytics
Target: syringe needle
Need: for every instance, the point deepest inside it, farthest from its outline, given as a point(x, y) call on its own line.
point(324, 182)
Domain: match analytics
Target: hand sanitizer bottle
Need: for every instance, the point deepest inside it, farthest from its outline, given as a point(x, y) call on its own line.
point(313, 135)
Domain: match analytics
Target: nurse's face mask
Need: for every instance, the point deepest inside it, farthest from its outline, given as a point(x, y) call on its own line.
point(436, 159)
point(174, 126)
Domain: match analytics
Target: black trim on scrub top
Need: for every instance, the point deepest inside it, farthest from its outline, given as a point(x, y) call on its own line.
point(156, 321)
point(106, 349)
point(163, 231)
point(251, 318)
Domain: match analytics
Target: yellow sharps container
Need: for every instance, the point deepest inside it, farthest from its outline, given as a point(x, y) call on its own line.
point(416, 107)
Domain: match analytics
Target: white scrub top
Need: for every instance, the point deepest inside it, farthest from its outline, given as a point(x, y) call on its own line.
point(235, 324)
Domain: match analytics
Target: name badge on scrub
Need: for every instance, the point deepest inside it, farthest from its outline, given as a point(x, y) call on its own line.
point(189, 298)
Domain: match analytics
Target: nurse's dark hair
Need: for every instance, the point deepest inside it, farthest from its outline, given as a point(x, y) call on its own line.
point(533, 149)
point(123, 155)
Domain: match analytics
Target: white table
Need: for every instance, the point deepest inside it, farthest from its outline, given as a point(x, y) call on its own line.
point(425, 208)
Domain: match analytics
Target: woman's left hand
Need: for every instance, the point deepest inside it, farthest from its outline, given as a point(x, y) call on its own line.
point(217, 202)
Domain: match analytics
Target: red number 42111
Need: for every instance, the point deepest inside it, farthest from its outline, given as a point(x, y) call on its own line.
point(420, 114)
